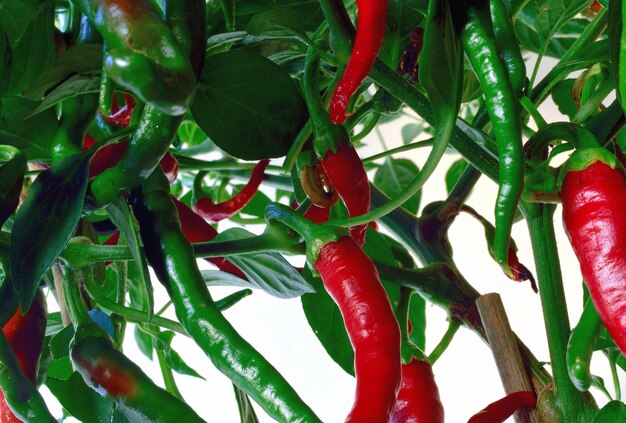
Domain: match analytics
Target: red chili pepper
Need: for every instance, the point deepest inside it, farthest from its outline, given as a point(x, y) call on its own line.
point(345, 170)
point(369, 38)
point(418, 399)
point(196, 229)
point(25, 336)
point(499, 411)
point(352, 281)
point(110, 154)
point(593, 198)
point(410, 57)
point(121, 116)
point(212, 212)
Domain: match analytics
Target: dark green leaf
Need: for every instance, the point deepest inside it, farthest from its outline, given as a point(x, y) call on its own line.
point(80, 401)
point(246, 412)
point(45, 223)
point(12, 169)
point(614, 411)
point(120, 215)
point(563, 97)
point(454, 173)
point(250, 115)
point(267, 271)
point(393, 176)
point(276, 23)
point(256, 206)
point(75, 86)
point(60, 343)
point(144, 342)
point(15, 16)
point(80, 60)
point(173, 359)
point(417, 317)
point(402, 16)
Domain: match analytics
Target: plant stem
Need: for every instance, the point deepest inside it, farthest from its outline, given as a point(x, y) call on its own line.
point(539, 218)
point(532, 111)
point(166, 372)
point(401, 149)
point(445, 341)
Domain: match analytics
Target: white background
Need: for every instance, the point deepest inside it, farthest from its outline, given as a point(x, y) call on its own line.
point(466, 373)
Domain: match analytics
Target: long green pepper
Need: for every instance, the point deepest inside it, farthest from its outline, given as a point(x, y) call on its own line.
point(172, 258)
point(580, 347)
point(477, 36)
point(507, 43)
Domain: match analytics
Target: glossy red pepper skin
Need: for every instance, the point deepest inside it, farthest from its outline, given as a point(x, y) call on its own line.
point(352, 281)
point(121, 115)
point(593, 215)
point(345, 170)
point(418, 399)
point(499, 411)
point(25, 336)
point(196, 229)
point(212, 212)
point(369, 38)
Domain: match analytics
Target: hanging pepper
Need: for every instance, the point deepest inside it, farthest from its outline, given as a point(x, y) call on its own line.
point(212, 212)
point(25, 334)
point(173, 260)
point(477, 37)
point(580, 347)
point(408, 64)
point(352, 281)
point(508, 46)
point(418, 399)
point(338, 158)
point(196, 229)
point(121, 115)
point(369, 38)
point(592, 193)
point(499, 411)
point(143, 54)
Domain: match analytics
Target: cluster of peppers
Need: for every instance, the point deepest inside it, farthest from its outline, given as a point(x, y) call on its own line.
point(394, 378)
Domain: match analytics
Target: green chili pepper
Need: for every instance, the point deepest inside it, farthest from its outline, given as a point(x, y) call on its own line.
point(507, 43)
point(143, 54)
point(173, 260)
point(581, 345)
point(156, 129)
point(477, 37)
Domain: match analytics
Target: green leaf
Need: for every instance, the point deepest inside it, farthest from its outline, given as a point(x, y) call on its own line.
point(31, 135)
point(144, 342)
point(393, 176)
point(60, 343)
point(33, 52)
point(454, 173)
point(614, 411)
point(80, 401)
point(15, 18)
point(267, 271)
point(402, 16)
point(120, 215)
point(73, 87)
point(246, 412)
point(276, 23)
point(12, 169)
point(617, 39)
point(173, 359)
point(45, 223)
point(80, 60)
point(256, 206)
point(250, 115)
point(410, 131)
point(563, 97)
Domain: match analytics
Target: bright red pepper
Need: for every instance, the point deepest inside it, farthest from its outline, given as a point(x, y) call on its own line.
point(196, 229)
point(369, 38)
point(499, 411)
point(110, 154)
point(345, 170)
point(121, 116)
point(352, 281)
point(212, 212)
point(418, 399)
point(593, 199)
point(25, 336)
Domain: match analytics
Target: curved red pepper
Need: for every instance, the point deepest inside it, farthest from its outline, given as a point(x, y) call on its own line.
point(345, 170)
point(212, 212)
point(499, 411)
point(25, 336)
point(418, 399)
point(369, 38)
point(352, 281)
point(110, 154)
point(121, 116)
point(196, 229)
point(593, 215)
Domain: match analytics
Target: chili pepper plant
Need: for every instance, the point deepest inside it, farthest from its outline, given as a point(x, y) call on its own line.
point(140, 136)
